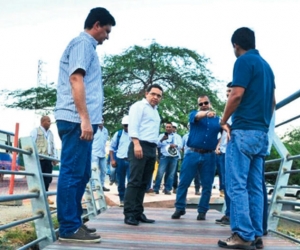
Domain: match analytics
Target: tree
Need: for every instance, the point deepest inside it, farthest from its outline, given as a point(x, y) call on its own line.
point(40, 98)
point(291, 140)
point(181, 72)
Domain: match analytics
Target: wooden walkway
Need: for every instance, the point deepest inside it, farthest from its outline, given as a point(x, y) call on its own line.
point(165, 233)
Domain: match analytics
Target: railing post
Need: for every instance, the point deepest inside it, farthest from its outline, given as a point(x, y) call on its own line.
point(43, 226)
point(281, 180)
point(95, 196)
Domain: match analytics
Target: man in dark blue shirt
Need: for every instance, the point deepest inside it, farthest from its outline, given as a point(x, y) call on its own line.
point(200, 155)
point(251, 104)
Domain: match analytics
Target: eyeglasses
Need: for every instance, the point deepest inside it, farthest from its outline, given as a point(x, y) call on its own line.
point(203, 103)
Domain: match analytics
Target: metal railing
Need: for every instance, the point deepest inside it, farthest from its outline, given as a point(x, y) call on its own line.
point(283, 174)
point(42, 216)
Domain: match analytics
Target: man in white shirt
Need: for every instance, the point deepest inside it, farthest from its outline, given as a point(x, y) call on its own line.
point(144, 122)
point(99, 154)
point(168, 162)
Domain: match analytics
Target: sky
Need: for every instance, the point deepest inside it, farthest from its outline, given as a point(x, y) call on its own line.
point(35, 30)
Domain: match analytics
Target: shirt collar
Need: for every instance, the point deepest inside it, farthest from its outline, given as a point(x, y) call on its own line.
point(144, 100)
point(90, 38)
point(252, 51)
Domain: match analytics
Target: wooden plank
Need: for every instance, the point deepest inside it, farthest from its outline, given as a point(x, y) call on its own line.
point(165, 233)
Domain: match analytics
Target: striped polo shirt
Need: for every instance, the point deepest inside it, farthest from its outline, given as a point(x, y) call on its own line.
point(80, 54)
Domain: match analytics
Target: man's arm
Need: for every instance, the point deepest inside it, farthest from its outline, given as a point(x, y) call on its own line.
point(78, 92)
point(233, 102)
point(201, 114)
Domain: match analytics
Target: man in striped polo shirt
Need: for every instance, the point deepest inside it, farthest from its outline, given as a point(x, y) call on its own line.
point(78, 112)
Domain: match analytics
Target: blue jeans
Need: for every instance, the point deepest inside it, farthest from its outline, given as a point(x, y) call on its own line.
point(122, 172)
point(220, 162)
point(205, 164)
point(197, 181)
point(113, 174)
point(101, 164)
point(244, 166)
point(74, 174)
point(167, 166)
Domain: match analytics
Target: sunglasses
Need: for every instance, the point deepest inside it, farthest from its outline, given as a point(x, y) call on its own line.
point(203, 103)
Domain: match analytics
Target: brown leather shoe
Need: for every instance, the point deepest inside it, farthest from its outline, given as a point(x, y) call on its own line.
point(236, 242)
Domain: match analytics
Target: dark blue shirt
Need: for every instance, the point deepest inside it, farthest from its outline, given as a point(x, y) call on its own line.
point(254, 74)
point(204, 132)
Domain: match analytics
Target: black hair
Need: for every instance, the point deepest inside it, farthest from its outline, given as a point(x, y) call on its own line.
point(154, 86)
point(229, 84)
point(202, 96)
point(244, 37)
point(100, 15)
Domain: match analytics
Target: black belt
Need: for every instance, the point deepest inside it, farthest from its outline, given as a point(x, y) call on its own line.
point(125, 159)
point(201, 151)
point(150, 144)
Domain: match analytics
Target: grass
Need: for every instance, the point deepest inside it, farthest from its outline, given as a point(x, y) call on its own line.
point(21, 235)
point(289, 228)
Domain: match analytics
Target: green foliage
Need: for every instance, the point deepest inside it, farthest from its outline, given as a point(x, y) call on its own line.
point(40, 98)
point(18, 237)
point(291, 140)
point(181, 72)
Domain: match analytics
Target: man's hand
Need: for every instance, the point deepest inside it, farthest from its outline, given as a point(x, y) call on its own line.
point(211, 114)
point(165, 137)
point(173, 146)
point(226, 128)
point(86, 130)
point(218, 151)
point(113, 163)
point(138, 151)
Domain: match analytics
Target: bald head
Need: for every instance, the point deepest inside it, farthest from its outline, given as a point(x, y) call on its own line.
point(45, 122)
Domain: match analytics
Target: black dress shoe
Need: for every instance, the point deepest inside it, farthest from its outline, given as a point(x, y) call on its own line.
point(131, 221)
point(143, 218)
point(177, 214)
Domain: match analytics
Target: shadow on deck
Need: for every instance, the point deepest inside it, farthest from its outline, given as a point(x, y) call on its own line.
point(165, 233)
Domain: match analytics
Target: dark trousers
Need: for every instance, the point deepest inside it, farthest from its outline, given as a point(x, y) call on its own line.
point(46, 166)
point(141, 171)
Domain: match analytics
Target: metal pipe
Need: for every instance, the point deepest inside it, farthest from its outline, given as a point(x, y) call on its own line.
point(287, 121)
point(271, 173)
point(32, 243)
point(286, 218)
point(296, 187)
point(273, 161)
point(18, 222)
point(47, 157)
point(16, 172)
point(19, 197)
point(293, 157)
point(285, 236)
point(287, 100)
point(10, 148)
point(288, 202)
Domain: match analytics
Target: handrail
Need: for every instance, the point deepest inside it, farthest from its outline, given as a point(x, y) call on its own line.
point(43, 222)
point(287, 100)
point(11, 148)
point(18, 197)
